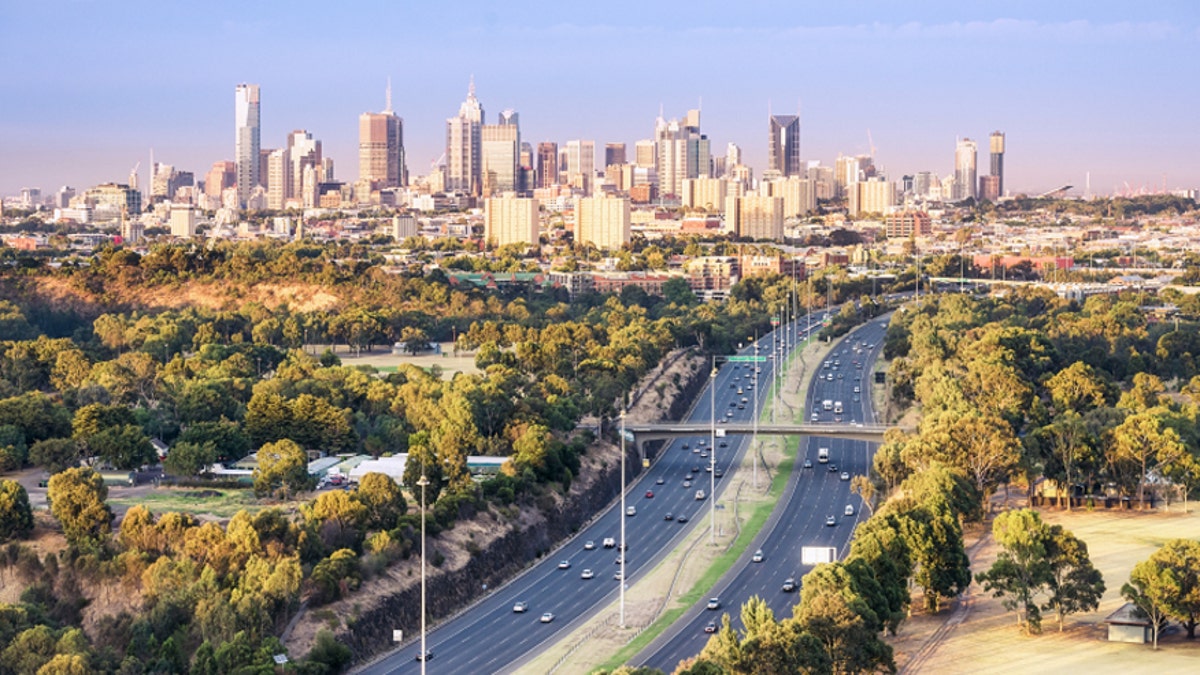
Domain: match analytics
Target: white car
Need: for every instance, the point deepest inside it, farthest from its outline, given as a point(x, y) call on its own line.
point(631, 511)
point(849, 509)
point(830, 521)
point(845, 475)
point(700, 495)
point(713, 603)
point(547, 617)
point(589, 545)
point(758, 556)
point(564, 565)
point(520, 607)
point(618, 576)
point(587, 574)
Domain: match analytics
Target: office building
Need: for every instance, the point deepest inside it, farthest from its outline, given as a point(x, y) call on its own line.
point(996, 145)
point(221, 176)
point(381, 162)
point(464, 161)
point(989, 188)
point(614, 154)
point(783, 145)
point(246, 149)
point(965, 155)
point(602, 221)
point(279, 172)
point(403, 227)
point(683, 152)
point(509, 219)
point(581, 165)
point(183, 221)
point(755, 217)
point(62, 198)
point(116, 197)
point(500, 146)
point(547, 167)
point(733, 156)
point(644, 155)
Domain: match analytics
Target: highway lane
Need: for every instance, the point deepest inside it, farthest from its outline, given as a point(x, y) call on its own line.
point(811, 496)
point(490, 637)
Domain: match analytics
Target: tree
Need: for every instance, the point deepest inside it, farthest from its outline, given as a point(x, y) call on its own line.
point(1143, 441)
point(282, 467)
point(1074, 584)
point(1172, 576)
point(1021, 568)
point(125, 447)
point(76, 499)
point(54, 454)
point(1148, 589)
point(16, 516)
point(423, 462)
point(864, 487)
point(1077, 388)
point(383, 500)
point(934, 537)
point(13, 451)
point(842, 621)
point(189, 459)
point(1068, 450)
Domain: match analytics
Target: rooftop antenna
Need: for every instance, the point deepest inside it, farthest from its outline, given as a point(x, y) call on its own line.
point(388, 107)
point(471, 86)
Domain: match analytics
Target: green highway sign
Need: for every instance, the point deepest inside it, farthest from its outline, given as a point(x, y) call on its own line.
point(746, 359)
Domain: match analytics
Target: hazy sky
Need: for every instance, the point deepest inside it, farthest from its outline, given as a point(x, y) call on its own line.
point(87, 88)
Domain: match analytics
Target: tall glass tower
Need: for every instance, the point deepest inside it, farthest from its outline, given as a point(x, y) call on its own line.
point(246, 124)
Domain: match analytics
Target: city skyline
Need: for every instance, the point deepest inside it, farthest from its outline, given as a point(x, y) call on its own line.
point(1078, 88)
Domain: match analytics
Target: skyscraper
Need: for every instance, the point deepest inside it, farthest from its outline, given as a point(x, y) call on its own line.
point(381, 149)
point(246, 123)
point(304, 152)
point(614, 154)
point(500, 151)
point(683, 152)
point(643, 154)
point(964, 170)
point(783, 145)
point(464, 162)
point(547, 171)
point(996, 143)
point(602, 221)
point(581, 164)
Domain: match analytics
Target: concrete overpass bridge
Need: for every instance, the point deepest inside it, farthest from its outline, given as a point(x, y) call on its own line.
point(644, 433)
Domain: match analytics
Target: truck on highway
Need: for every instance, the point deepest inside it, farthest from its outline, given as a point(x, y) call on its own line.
point(827, 404)
point(823, 455)
point(837, 408)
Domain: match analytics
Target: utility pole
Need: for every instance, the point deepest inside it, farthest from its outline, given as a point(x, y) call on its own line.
point(623, 517)
point(712, 458)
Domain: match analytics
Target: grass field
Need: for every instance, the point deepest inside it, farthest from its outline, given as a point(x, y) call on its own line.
point(221, 503)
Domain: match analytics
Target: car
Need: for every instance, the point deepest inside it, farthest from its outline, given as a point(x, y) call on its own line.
point(849, 509)
point(814, 417)
point(660, 481)
point(609, 542)
point(789, 585)
point(699, 495)
point(830, 521)
point(649, 494)
point(425, 656)
point(708, 469)
point(618, 576)
point(713, 603)
point(631, 511)
point(547, 617)
point(696, 468)
point(719, 472)
point(757, 557)
point(710, 627)
point(669, 516)
point(857, 398)
point(732, 385)
point(745, 400)
point(732, 403)
point(703, 455)
point(857, 389)
point(729, 413)
point(564, 565)
point(845, 475)
point(520, 607)
point(833, 468)
point(589, 545)
point(587, 574)
point(696, 450)
point(687, 483)
point(619, 559)
point(723, 444)
point(841, 376)
point(741, 406)
point(701, 442)
point(681, 519)
point(837, 418)
point(807, 463)
point(685, 446)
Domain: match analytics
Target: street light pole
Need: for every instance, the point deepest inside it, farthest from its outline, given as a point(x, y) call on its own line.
point(623, 517)
point(712, 458)
point(754, 445)
point(424, 652)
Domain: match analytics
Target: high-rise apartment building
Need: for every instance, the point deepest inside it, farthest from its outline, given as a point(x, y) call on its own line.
point(614, 154)
point(783, 145)
point(246, 148)
point(509, 219)
point(996, 144)
point(733, 156)
point(381, 149)
point(581, 165)
point(304, 152)
point(602, 221)
point(705, 193)
point(547, 165)
point(279, 179)
point(500, 151)
point(464, 162)
point(756, 217)
point(965, 154)
point(873, 195)
point(799, 195)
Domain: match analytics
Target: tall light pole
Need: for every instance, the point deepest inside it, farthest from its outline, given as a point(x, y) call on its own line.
point(754, 445)
point(623, 517)
point(424, 652)
point(712, 458)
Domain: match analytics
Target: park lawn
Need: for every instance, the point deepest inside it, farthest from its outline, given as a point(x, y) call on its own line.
point(220, 503)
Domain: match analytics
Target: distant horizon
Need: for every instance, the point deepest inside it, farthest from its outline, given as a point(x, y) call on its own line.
point(1075, 87)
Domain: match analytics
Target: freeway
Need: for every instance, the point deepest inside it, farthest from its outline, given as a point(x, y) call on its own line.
point(490, 637)
point(812, 495)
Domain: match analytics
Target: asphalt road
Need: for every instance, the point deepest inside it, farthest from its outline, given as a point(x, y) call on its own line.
point(490, 637)
point(811, 496)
